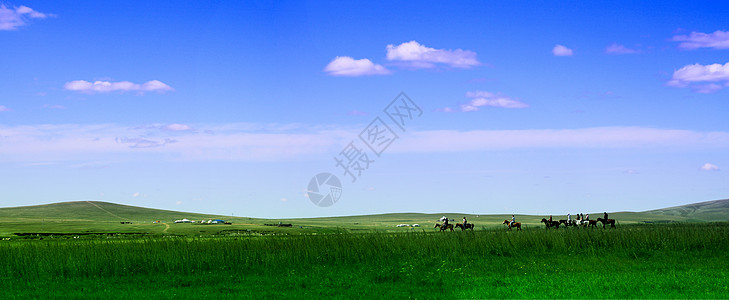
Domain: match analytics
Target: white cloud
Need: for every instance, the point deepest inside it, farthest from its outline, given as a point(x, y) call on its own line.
point(120, 86)
point(619, 49)
point(709, 167)
point(420, 56)
point(347, 66)
point(717, 40)
point(4, 108)
point(689, 74)
point(54, 106)
point(560, 50)
point(631, 172)
point(483, 98)
point(12, 18)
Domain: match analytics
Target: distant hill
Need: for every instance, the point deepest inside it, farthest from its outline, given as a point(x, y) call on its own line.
point(92, 211)
point(717, 210)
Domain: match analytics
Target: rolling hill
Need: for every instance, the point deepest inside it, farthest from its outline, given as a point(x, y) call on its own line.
point(717, 210)
point(97, 216)
point(93, 211)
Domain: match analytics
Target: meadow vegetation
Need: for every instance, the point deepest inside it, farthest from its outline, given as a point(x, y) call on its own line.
point(677, 260)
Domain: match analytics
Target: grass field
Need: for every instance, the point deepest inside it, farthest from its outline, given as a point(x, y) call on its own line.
point(634, 261)
point(358, 256)
point(104, 217)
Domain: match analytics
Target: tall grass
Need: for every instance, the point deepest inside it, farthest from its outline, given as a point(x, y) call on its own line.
point(632, 261)
point(112, 257)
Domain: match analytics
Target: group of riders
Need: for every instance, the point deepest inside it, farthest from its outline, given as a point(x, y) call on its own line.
point(582, 219)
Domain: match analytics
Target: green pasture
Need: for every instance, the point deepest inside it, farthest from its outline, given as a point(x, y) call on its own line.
point(103, 217)
point(670, 253)
point(679, 260)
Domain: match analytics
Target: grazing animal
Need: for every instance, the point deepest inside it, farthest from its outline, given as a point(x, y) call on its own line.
point(509, 225)
point(462, 227)
point(443, 228)
point(608, 221)
point(550, 224)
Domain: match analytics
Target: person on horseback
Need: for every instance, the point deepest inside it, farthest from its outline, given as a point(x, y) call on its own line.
point(445, 221)
point(587, 217)
point(464, 222)
point(605, 216)
point(513, 220)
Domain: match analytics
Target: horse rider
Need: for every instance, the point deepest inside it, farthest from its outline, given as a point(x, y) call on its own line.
point(445, 221)
point(513, 220)
point(587, 217)
point(569, 219)
point(464, 222)
point(605, 216)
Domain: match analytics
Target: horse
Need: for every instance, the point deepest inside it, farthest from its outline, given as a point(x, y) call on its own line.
point(608, 221)
point(509, 225)
point(443, 228)
point(464, 227)
point(550, 224)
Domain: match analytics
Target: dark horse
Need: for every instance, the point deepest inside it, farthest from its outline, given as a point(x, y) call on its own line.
point(443, 228)
point(608, 221)
point(516, 224)
point(462, 227)
point(550, 224)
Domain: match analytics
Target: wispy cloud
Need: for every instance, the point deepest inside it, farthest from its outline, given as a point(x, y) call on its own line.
point(583, 138)
point(716, 75)
point(53, 106)
point(486, 99)
point(12, 18)
point(560, 50)
point(347, 66)
point(177, 127)
point(243, 142)
point(420, 56)
point(619, 49)
point(4, 108)
point(717, 40)
point(709, 167)
point(98, 86)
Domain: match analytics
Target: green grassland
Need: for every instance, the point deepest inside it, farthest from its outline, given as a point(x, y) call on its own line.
point(104, 217)
point(356, 257)
point(682, 260)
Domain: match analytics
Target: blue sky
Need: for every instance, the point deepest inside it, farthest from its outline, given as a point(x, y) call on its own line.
point(542, 107)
